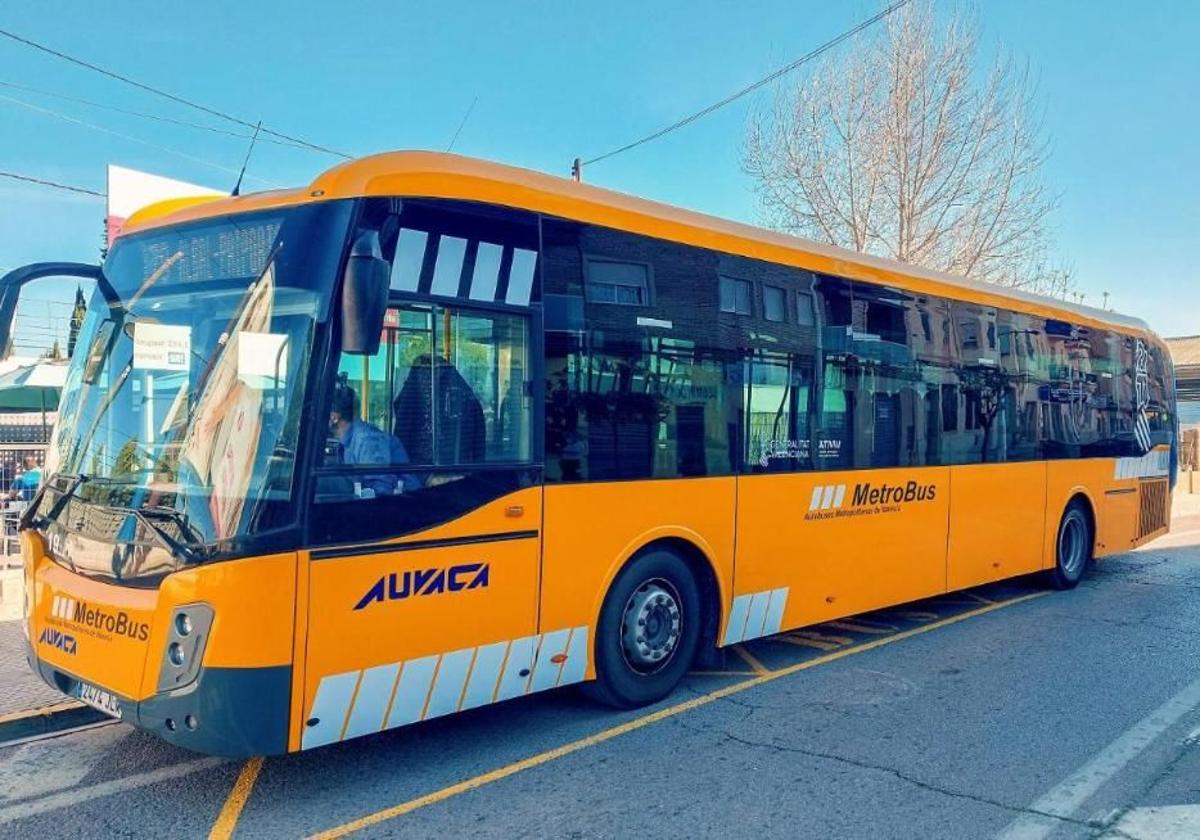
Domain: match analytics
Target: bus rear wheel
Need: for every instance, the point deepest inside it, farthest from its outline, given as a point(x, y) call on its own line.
point(1072, 546)
point(648, 631)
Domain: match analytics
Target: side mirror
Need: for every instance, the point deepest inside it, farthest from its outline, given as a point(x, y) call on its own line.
point(364, 296)
point(14, 281)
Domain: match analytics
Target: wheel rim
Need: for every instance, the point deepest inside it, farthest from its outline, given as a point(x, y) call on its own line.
point(1072, 545)
point(651, 626)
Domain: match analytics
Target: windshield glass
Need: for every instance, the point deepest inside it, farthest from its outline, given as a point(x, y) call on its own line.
point(182, 406)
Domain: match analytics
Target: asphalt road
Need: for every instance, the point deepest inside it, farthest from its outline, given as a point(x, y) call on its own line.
point(1009, 711)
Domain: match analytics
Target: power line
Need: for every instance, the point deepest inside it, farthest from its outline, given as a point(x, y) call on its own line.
point(782, 71)
point(458, 130)
point(168, 149)
point(17, 177)
point(165, 94)
point(142, 114)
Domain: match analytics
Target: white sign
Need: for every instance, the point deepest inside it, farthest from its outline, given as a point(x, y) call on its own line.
point(261, 356)
point(161, 346)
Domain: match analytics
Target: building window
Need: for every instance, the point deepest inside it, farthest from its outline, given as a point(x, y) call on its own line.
point(735, 296)
point(804, 310)
point(774, 304)
point(609, 281)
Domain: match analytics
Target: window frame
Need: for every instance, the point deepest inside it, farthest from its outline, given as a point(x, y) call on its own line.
point(749, 284)
point(783, 301)
point(589, 259)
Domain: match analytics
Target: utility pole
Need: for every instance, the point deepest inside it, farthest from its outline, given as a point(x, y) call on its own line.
point(577, 170)
point(1105, 299)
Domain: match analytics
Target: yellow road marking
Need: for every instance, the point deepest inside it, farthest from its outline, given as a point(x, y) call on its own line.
point(645, 720)
point(854, 627)
point(750, 660)
point(44, 710)
point(809, 643)
point(232, 809)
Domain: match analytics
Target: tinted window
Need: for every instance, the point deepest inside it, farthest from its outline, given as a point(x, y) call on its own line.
point(609, 281)
point(736, 296)
point(634, 394)
point(774, 304)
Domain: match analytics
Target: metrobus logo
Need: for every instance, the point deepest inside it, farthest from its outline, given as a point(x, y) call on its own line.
point(397, 586)
point(118, 623)
point(58, 639)
point(830, 500)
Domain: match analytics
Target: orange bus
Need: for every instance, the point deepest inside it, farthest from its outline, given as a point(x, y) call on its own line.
point(432, 433)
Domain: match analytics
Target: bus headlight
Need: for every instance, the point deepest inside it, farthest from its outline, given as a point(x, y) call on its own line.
point(175, 654)
point(186, 637)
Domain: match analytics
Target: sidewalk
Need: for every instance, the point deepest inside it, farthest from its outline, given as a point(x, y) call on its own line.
point(20, 690)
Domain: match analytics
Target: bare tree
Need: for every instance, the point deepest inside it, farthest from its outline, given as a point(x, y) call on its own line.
point(902, 147)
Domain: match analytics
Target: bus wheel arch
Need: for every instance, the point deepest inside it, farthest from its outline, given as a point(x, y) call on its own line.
point(667, 586)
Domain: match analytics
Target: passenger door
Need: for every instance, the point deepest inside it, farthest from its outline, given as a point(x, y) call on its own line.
point(422, 593)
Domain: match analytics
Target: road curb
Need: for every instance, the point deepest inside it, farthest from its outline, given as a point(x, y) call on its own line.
point(17, 726)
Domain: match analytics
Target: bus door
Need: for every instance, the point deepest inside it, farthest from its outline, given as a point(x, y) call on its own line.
point(423, 578)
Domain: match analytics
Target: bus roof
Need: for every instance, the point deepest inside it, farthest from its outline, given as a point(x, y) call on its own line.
point(439, 175)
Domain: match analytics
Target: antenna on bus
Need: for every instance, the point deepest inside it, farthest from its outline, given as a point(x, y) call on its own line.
point(237, 188)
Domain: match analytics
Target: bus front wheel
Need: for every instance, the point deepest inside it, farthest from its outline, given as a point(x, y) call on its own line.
point(1072, 546)
point(648, 631)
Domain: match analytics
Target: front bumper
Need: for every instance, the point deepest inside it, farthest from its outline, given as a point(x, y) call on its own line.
point(235, 712)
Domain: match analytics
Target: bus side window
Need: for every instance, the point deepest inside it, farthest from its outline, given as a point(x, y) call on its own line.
point(448, 403)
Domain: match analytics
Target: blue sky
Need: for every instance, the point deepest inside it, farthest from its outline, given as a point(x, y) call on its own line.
point(1118, 83)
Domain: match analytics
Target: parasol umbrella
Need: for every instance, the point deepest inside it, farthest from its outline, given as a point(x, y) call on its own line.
point(35, 387)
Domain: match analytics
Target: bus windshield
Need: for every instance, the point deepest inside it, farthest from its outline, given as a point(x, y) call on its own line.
point(182, 406)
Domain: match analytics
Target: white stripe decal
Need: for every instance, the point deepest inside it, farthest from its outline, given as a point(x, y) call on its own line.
point(545, 672)
point(520, 276)
point(737, 619)
point(758, 614)
point(371, 703)
point(774, 620)
point(827, 498)
point(410, 255)
point(411, 691)
point(486, 275)
point(520, 658)
point(448, 688)
point(484, 676)
point(448, 268)
point(816, 497)
point(329, 708)
point(1151, 465)
point(355, 703)
point(54, 605)
point(839, 496)
point(577, 658)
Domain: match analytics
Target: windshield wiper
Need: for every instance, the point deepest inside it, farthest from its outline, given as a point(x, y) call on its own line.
point(194, 551)
point(29, 519)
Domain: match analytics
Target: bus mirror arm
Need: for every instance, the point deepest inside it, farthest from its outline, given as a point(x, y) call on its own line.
point(364, 296)
point(12, 283)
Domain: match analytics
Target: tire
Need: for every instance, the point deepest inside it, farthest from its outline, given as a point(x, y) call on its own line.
point(1072, 546)
point(658, 589)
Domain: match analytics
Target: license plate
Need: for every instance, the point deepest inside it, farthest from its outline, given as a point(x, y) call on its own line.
point(99, 699)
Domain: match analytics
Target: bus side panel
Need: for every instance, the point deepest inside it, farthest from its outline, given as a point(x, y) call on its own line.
point(593, 529)
point(442, 620)
point(1066, 478)
point(997, 522)
point(835, 544)
point(1118, 520)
